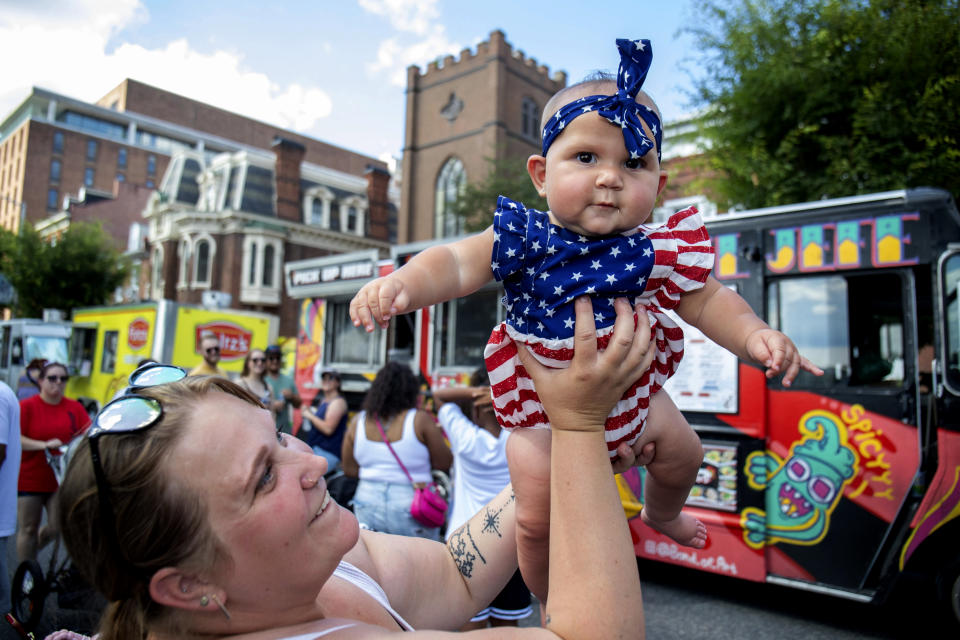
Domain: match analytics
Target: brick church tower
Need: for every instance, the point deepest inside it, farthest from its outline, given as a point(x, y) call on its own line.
point(460, 113)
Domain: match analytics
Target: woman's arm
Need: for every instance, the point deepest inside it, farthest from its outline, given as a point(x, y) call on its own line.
point(430, 433)
point(587, 527)
point(29, 444)
point(328, 424)
point(440, 590)
point(347, 461)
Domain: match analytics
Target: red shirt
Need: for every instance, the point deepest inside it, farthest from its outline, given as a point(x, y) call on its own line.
point(42, 421)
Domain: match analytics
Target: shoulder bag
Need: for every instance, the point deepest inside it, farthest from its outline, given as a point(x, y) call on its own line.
point(428, 506)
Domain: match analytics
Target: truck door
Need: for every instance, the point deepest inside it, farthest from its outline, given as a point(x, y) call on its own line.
point(856, 426)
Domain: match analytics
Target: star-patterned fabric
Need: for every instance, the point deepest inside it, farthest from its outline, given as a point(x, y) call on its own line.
point(544, 267)
point(621, 109)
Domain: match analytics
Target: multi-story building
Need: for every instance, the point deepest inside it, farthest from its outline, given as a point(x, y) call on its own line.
point(233, 197)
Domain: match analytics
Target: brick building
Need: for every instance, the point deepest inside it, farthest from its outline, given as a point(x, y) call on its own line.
point(218, 175)
point(460, 112)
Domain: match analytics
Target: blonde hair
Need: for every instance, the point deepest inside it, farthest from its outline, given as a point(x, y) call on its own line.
point(160, 520)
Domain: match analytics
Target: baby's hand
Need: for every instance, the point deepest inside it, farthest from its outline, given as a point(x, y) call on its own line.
point(778, 354)
point(378, 301)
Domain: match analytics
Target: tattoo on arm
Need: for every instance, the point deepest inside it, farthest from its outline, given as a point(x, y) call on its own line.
point(491, 521)
point(462, 546)
point(464, 551)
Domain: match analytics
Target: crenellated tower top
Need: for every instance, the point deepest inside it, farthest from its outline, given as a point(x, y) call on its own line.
point(495, 46)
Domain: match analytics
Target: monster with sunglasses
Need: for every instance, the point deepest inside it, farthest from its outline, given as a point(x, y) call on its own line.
point(48, 421)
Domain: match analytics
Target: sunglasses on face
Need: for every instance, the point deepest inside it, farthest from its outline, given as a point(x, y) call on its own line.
point(129, 413)
point(212, 349)
point(58, 378)
point(257, 360)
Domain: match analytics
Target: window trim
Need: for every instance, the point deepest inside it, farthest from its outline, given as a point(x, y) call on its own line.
point(196, 281)
point(258, 293)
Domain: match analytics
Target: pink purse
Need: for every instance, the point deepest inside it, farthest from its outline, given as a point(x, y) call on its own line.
point(428, 506)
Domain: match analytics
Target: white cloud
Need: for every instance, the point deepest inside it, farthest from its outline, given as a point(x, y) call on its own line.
point(394, 56)
point(414, 16)
point(63, 46)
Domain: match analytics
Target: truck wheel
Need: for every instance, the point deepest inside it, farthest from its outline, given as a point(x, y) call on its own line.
point(948, 589)
point(28, 593)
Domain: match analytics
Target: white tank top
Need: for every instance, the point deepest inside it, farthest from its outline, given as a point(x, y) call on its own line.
point(378, 464)
point(357, 578)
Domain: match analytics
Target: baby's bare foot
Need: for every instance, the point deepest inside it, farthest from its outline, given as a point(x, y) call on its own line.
point(684, 529)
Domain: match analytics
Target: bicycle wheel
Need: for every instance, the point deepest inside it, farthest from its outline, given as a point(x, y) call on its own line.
point(28, 593)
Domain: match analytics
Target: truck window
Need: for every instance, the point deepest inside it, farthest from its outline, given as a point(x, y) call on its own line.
point(50, 348)
point(951, 283)
point(108, 361)
point(849, 325)
point(346, 343)
point(463, 328)
point(82, 346)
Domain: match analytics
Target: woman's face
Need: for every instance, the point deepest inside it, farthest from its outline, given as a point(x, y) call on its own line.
point(52, 383)
point(258, 362)
point(268, 504)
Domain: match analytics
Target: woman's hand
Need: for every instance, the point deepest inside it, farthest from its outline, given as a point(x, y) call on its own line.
point(580, 397)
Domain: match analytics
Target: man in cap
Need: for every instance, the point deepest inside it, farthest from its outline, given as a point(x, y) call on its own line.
point(282, 388)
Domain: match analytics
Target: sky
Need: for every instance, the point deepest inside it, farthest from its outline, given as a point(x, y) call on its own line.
point(334, 70)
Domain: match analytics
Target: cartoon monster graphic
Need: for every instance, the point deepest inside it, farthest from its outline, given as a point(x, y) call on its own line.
point(803, 490)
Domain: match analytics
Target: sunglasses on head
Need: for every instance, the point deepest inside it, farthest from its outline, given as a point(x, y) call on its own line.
point(129, 413)
point(58, 378)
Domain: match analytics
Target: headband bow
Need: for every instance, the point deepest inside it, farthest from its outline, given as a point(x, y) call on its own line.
point(621, 108)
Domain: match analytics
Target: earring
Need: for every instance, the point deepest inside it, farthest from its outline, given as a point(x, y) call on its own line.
point(220, 604)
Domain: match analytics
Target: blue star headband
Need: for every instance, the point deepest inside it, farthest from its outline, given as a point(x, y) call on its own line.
point(621, 108)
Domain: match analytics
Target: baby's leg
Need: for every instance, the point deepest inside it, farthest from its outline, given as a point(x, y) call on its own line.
point(528, 456)
point(672, 473)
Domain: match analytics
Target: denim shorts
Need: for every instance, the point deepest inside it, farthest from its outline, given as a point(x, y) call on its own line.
point(385, 507)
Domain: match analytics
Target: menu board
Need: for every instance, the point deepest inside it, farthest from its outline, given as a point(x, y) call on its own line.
point(716, 485)
point(707, 377)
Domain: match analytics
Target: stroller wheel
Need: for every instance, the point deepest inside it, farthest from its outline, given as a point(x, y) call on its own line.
point(28, 593)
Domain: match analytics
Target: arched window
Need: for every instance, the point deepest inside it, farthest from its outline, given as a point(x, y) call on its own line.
point(450, 184)
point(204, 250)
point(530, 117)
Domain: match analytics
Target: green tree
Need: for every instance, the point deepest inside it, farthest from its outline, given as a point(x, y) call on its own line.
point(82, 268)
point(507, 177)
point(829, 98)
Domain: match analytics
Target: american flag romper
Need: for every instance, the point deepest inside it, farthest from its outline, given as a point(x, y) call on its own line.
point(544, 267)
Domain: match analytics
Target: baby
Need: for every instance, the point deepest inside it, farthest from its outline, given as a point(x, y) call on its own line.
point(600, 173)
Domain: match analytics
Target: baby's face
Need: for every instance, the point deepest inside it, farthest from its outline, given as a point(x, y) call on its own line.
point(592, 184)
